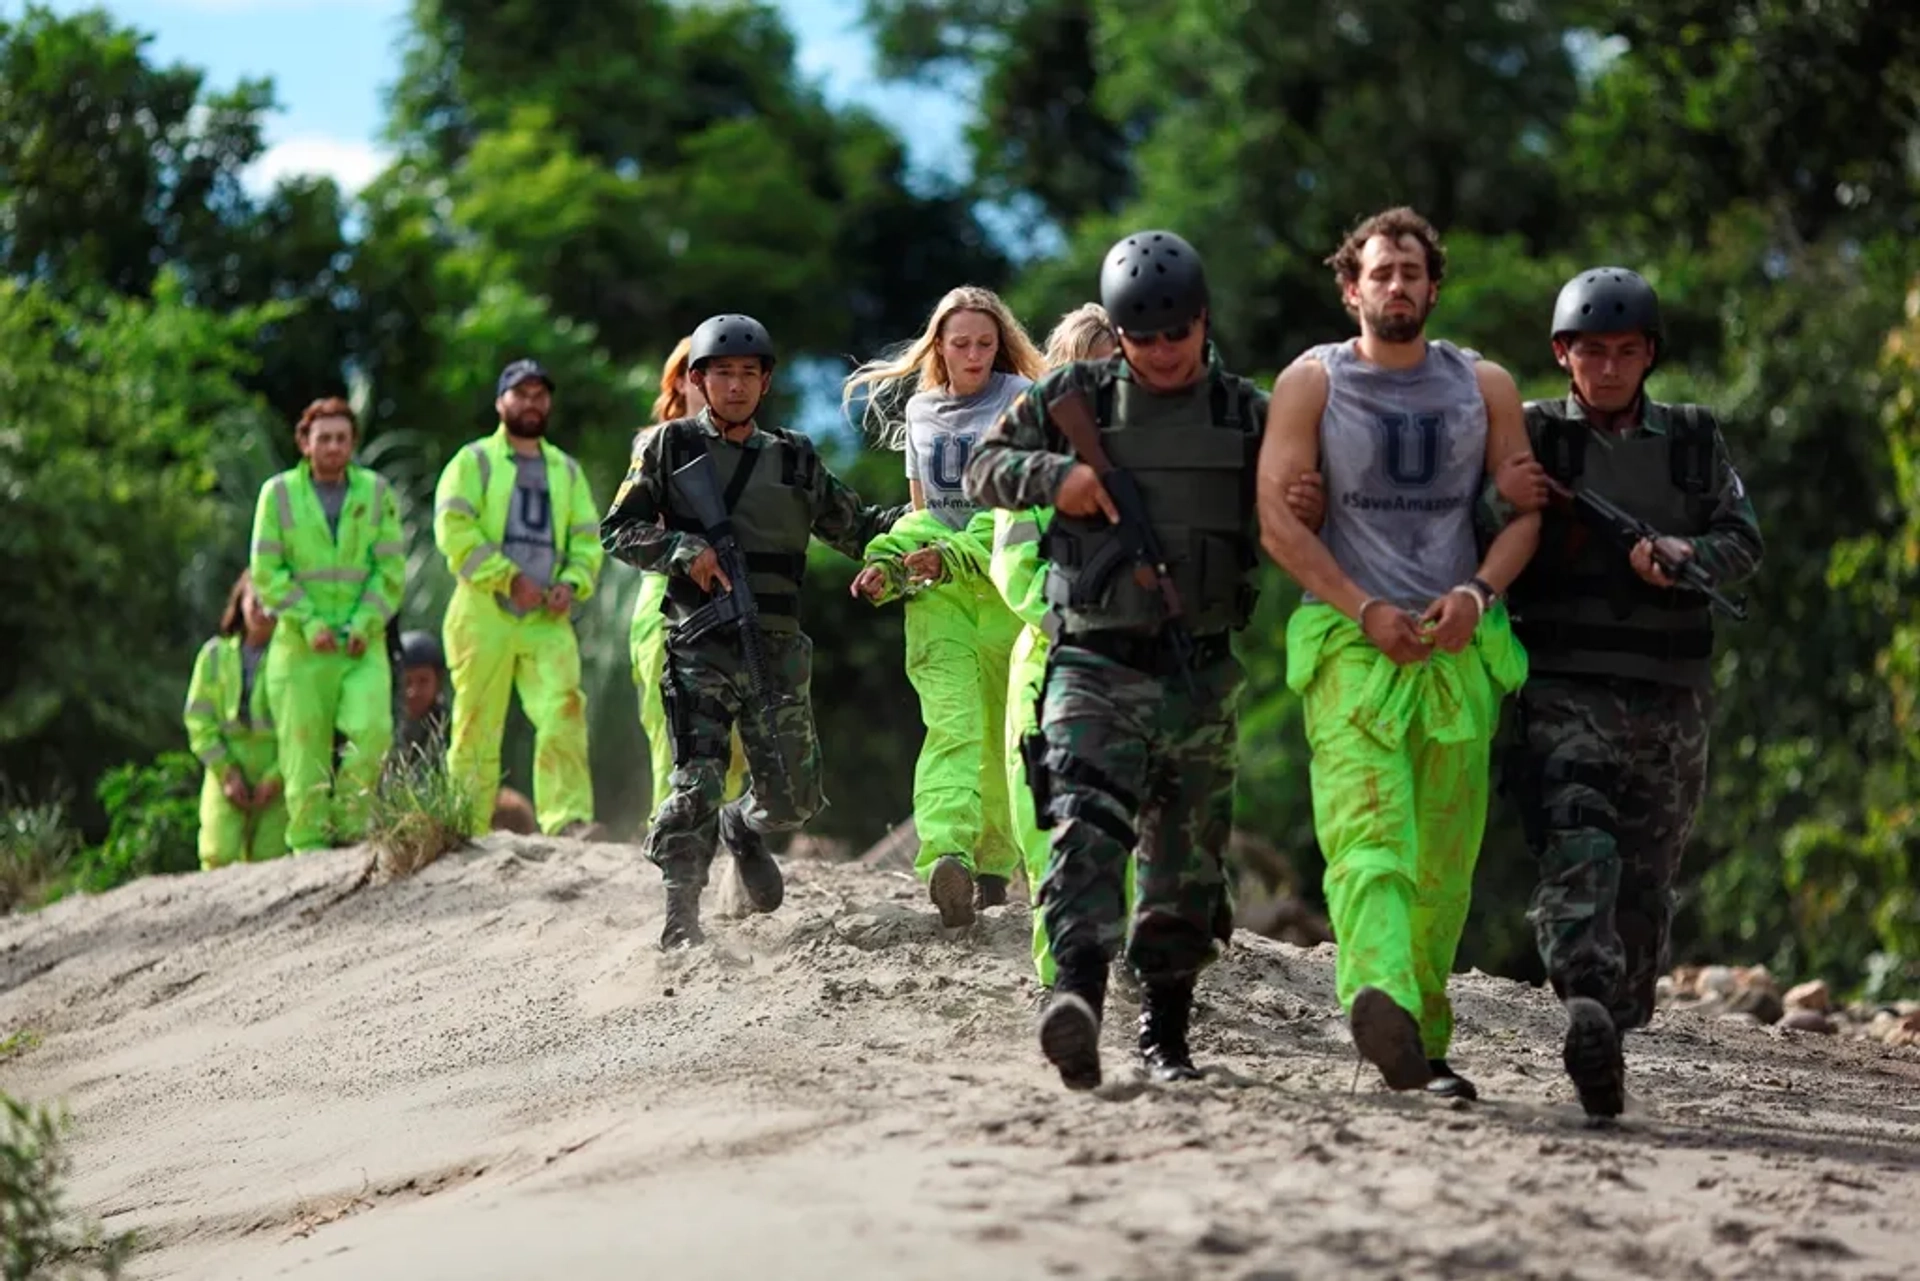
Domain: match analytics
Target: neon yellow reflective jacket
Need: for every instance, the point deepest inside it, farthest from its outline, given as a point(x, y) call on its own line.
point(1017, 568)
point(470, 517)
point(216, 732)
point(311, 578)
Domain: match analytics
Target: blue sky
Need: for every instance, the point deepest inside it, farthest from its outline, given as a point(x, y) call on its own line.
point(331, 60)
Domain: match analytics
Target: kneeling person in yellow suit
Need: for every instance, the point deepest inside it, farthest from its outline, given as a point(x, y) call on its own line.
point(520, 531)
point(243, 807)
point(328, 562)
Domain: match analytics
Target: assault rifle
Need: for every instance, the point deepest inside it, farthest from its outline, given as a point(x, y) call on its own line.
point(696, 490)
point(1133, 541)
point(1626, 530)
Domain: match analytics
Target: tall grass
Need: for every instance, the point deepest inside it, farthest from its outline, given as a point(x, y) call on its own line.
point(419, 813)
point(40, 1238)
point(37, 846)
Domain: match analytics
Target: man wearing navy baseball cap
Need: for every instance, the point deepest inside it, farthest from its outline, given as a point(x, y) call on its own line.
point(520, 531)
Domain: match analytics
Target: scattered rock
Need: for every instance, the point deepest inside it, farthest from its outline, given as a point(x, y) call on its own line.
point(1809, 996)
point(1716, 980)
point(1759, 999)
point(1809, 1020)
point(1221, 1239)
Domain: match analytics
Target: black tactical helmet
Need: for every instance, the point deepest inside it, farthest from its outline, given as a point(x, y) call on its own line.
point(420, 649)
point(730, 336)
point(1153, 281)
point(1607, 300)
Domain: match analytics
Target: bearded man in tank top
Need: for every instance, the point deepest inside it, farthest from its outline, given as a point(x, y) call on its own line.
point(1401, 649)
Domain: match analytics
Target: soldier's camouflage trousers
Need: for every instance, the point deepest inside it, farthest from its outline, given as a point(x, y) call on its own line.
point(1610, 775)
point(707, 694)
point(1118, 741)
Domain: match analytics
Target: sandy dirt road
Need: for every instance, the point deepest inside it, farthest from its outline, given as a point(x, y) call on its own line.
point(489, 1071)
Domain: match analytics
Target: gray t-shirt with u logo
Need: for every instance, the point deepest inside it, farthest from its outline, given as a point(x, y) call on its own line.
point(942, 429)
point(529, 534)
point(1403, 453)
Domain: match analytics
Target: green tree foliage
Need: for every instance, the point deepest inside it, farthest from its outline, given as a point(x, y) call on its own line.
point(115, 171)
point(108, 429)
point(585, 183)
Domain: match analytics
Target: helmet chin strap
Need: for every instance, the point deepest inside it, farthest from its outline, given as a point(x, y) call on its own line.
point(734, 422)
point(1613, 420)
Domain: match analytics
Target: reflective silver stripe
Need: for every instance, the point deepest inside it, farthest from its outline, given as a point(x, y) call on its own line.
point(586, 529)
point(1021, 531)
point(389, 549)
point(283, 501)
point(478, 557)
point(460, 505)
point(269, 547)
point(214, 755)
point(379, 497)
point(380, 605)
point(288, 601)
point(479, 451)
point(341, 574)
point(264, 723)
point(201, 707)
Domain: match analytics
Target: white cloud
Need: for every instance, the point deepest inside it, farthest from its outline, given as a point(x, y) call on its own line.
point(350, 162)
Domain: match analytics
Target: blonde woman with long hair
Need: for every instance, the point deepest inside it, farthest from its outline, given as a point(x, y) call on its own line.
point(964, 370)
point(647, 641)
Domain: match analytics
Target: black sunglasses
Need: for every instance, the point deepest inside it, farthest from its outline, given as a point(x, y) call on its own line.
point(1178, 333)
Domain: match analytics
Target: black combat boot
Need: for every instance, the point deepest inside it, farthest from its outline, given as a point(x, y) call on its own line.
point(683, 916)
point(989, 891)
point(1388, 1038)
point(1593, 1059)
point(1449, 1084)
point(1163, 1029)
point(759, 874)
point(950, 886)
point(1070, 1024)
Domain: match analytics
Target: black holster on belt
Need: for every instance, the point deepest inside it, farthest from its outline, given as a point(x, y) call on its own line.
point(1033, 753)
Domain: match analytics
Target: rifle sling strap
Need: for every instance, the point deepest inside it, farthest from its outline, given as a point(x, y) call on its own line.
point(742, 475)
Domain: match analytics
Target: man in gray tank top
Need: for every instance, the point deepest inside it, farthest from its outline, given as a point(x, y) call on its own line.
point(1400, 650)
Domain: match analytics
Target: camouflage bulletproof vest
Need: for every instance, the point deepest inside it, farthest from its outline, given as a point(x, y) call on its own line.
point(766, 483)
point(1192, 455)
point(1579, 608)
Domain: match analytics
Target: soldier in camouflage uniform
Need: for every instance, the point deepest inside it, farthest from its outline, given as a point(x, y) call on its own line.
point(777, 493)
point(1610, 753)
point(1124, 730)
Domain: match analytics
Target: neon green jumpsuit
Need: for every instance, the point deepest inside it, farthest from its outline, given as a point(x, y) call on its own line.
point(226, 736)
point(1019, 572)
point(960, 636)
point(1400, 760)
point(647, 642)
point(491, 653)
point(347, 583)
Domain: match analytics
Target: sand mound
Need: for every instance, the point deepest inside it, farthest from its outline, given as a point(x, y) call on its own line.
point(488, 1071)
